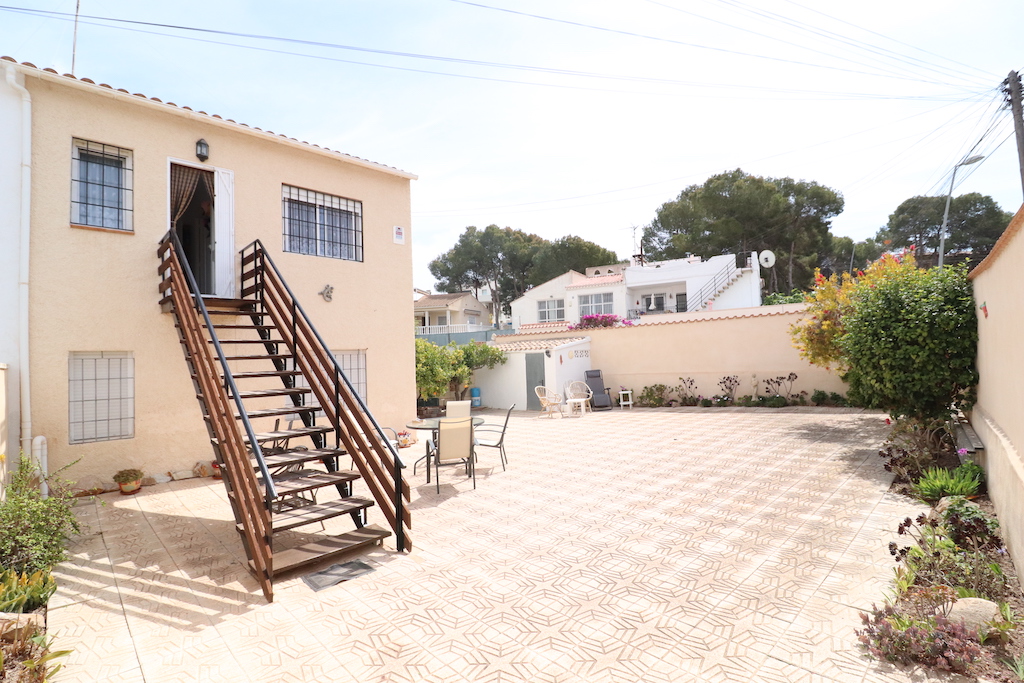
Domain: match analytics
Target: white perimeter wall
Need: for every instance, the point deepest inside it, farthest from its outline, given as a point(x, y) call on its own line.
point(998, 416)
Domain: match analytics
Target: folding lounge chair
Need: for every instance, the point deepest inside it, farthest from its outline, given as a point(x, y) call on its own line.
point(601, 399)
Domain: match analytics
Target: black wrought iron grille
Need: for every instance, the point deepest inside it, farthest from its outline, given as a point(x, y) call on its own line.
point(101, 185)
point(320, 224)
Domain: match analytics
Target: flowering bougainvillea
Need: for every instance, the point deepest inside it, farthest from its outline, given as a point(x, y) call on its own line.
point(589, 322)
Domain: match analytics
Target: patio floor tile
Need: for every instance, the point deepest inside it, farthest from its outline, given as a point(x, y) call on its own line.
point(645, 545)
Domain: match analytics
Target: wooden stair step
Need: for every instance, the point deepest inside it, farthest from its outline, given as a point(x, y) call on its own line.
point(296, 433)
point(235, 326)
point(327, 548)
point(228, 312)
point(263, 373)
point(276, 412)
point(296, 517)
point(298, 456)
point(236, 304)
point(288, 484)
point(268, 393)
point(247, 341)
point(269, 356)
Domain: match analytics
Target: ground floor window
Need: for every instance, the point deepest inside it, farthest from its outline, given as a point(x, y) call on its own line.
point(101, 396)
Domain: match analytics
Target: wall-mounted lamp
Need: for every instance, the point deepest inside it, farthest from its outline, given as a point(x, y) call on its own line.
point(202, 150)
point(547, 352)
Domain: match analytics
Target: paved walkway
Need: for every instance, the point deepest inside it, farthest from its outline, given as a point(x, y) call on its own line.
point(646, 545)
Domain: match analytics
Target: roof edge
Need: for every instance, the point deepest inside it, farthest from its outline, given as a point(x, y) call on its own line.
point(29, 69)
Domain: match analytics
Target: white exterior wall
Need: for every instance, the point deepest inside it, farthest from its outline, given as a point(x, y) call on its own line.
point(568, 364)
point(524, 309)
point(745, 292)
point(505, 384)
point(10, 221)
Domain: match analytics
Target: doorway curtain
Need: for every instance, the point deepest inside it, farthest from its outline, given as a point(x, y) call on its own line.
point(184, 180)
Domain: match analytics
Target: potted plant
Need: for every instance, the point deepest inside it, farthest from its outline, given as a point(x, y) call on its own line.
point(129, 481)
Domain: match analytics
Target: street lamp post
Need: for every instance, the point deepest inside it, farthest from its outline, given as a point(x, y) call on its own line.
point(945, 216)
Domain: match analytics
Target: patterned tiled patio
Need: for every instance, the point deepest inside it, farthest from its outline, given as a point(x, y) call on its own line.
point(646, 545)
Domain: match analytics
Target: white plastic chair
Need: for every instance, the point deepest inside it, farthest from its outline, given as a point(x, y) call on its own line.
point(457, 408)
point(577, 396)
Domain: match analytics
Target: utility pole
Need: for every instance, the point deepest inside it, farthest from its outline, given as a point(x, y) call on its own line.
point(1013, 90)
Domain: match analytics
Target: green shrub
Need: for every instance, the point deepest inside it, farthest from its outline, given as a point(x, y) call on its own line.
point(911, 340)
point(21, 593)
point(654, 396)
point(938, 482)
point(128, 476)
point(35, 529)
point(819, 397)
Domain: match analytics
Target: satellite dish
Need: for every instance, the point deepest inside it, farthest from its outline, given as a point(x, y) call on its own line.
point(766, 258)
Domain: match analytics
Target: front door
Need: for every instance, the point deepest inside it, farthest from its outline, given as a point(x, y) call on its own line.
point(534, 378)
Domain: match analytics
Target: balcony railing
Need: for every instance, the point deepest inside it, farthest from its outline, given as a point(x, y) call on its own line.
point(450, 329)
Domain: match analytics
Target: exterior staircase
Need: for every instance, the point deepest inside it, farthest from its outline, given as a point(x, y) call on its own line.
point(256, 362)
point(716, 285)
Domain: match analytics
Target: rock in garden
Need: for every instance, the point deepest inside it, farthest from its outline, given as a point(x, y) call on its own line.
point(183, 474)
point(161, 478)
point(202, 469)
point(944, 503)
point(973, 612)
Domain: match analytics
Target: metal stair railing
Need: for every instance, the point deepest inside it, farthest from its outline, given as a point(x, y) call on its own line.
point(252, 508)
point(712, 287)
point(355, 428)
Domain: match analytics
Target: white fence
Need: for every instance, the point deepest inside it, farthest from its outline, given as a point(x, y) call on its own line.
point(450, 329)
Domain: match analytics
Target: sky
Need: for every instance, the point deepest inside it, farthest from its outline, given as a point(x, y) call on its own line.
point(579, 117)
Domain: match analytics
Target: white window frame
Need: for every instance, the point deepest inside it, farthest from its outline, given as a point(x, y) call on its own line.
point(84, 213)
point(550, 310)
point(313, 234)
point(101, 396)
point(601, 303)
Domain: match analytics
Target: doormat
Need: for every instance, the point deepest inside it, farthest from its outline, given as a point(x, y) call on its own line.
point(335, 574)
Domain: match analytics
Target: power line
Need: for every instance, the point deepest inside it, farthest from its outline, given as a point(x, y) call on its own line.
point(819, 95)
point(694, 45)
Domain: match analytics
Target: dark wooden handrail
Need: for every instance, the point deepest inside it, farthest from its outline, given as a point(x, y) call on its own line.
point(355, 427)
point(252, 504)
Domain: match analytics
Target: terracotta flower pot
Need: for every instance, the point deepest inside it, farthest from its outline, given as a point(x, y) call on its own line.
point(130, 488)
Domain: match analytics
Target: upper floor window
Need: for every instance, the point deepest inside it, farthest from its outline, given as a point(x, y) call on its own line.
point(595, 304)
point(101, 185)
point(322, 225)
point(550, 310)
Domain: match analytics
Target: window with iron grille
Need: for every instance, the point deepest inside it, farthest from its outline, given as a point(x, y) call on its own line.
point(101, 396)
point(320, 224)
point(101, 185)
point(595, 304)
point(551, 310)
point(353, 364)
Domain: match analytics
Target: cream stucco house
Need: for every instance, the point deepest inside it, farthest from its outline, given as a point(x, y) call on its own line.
point(456, 312)
point(87, 182)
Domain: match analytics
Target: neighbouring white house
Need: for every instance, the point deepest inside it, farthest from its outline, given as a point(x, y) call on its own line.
point(642, 293)
point(446, 313)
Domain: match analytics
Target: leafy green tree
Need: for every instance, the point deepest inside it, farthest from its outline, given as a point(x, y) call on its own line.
point(846, 256)
point(568, 253)
point(911, 340)
point(435, 367)
point(975, 223)
point(498, 258)
point(738, 212)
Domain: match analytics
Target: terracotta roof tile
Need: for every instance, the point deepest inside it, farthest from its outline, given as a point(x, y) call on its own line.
point(532, 344)
point(52, 73)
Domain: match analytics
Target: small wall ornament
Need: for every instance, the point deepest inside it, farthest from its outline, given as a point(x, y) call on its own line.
point(327, 292)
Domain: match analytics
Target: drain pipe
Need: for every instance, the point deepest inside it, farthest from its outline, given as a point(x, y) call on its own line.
point(39, 454)
point(23, 265)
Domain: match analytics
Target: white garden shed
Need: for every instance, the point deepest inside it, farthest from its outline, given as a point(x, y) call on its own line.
point(531, 362)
